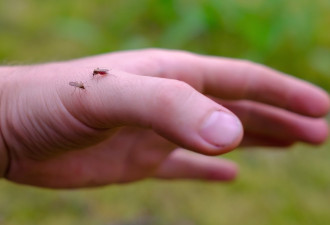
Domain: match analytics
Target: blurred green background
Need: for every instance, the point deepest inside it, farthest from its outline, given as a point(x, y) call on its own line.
point(274, 187)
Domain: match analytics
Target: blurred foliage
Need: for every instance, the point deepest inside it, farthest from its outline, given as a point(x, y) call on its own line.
point(291, 36)
point(274, 188)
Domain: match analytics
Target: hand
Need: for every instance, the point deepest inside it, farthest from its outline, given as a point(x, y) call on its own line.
point(137, 121)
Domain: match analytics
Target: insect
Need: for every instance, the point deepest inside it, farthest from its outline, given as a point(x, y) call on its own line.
point(77, 84)
point(99, 71)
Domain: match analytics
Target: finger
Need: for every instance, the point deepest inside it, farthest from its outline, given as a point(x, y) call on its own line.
point(275, 124)
point(240, 79)
point(182, 164)
point(170, 107)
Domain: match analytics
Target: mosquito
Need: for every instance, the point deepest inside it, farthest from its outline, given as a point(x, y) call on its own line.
point(77, 84)
point(100, 71)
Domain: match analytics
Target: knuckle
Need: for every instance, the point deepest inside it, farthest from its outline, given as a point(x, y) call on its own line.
point(251, 68)
point(246, 62)
point(165, 53)
point(249, 72)
point(246, 67)
point(162, 61)
point(154, 51)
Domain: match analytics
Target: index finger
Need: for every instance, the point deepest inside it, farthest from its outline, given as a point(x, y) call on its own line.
point(239, 79)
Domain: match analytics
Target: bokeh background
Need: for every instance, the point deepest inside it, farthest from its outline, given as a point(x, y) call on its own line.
point(274, 187)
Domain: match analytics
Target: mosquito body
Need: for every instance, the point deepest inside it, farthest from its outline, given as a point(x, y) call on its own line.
point(77, 84)
point(100, 71)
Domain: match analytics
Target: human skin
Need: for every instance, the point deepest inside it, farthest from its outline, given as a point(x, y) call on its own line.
point(158, 113)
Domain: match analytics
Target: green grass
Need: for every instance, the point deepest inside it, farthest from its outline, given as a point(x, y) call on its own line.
point(274, 187)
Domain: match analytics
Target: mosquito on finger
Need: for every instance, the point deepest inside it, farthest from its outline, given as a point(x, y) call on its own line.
point(100, 71)
point(77, 84)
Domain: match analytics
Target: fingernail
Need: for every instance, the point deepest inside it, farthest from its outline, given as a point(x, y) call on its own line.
point(221, 129)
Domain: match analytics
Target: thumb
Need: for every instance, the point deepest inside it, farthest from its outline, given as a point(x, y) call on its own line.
point(171, 108)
